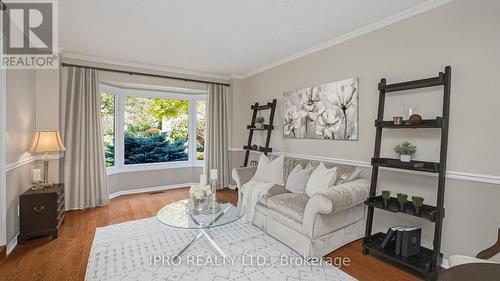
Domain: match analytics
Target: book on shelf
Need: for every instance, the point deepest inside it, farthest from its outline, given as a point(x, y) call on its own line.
point(404, 240)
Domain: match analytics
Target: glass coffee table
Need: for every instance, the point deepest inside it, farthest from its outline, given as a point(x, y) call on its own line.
point(176, 215)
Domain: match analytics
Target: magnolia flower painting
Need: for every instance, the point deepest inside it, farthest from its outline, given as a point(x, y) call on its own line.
point(326, 111)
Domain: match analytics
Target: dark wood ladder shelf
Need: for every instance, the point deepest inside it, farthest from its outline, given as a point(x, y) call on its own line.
point(427, 212)
point(427, 123)
point(427, 262)
point(421, 166)
point(268, 127)
point(422, 263)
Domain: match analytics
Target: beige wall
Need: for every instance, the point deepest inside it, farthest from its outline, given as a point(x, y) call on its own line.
point(463, 34)
point(21, 121)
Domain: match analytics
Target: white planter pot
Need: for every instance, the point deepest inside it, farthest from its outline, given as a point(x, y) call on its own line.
point(259, 125)
point(405, 158)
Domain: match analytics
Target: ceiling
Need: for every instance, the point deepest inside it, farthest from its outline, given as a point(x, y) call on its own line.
point(229, 37)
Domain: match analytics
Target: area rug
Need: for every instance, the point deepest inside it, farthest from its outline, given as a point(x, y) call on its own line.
point(144, 250)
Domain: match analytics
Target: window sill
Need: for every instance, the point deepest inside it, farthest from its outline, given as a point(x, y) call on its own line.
point(154, 167)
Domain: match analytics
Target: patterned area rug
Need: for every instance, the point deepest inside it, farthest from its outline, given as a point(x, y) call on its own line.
point(144, 249)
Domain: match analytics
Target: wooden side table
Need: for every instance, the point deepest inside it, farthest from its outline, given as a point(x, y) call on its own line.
point(41, 212)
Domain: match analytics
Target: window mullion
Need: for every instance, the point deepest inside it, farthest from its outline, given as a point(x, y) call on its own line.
point(119, 129)
point(192, 130)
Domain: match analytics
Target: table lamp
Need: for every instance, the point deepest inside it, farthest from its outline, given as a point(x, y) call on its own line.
point(44, 142)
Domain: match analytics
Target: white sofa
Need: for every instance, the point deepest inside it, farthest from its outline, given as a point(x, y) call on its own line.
point(312, 226)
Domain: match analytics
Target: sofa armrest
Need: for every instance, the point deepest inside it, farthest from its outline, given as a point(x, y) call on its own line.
point(243, 175)
point(335, 199)
point(346, 195)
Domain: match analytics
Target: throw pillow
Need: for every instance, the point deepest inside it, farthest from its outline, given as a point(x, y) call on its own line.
point(347, 177)
point(321, 179)
point(270, 171)
point(298, 178)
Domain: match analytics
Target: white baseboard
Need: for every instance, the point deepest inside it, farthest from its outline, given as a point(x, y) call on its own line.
point(12, 245)
point(148, 189)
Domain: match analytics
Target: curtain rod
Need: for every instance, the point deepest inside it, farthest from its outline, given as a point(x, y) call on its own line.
point(143, 74)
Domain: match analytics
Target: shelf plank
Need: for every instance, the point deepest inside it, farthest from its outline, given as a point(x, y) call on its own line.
point(421, 166)
point(421, 262)
point(415, 84)
point(428, 212)
point(426, 123)
point(266, 128)
point(260, 148)
point(269, 105)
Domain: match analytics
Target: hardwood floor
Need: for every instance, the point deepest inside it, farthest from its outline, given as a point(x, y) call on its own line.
point(65, 258)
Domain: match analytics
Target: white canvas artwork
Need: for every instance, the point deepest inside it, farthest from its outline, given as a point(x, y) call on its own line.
point(326, 111)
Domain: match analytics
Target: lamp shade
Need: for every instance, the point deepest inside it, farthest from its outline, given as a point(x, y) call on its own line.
point(46, 141)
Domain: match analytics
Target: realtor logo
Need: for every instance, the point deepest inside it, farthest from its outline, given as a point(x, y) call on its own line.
point(29, 35)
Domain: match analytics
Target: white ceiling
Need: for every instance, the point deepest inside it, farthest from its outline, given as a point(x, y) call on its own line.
point(230, 37)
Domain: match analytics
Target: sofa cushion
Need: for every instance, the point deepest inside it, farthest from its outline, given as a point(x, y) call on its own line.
point(270, 171)
point(321, 178)
point(273, 191)
point(297, 180)
point(289, 204)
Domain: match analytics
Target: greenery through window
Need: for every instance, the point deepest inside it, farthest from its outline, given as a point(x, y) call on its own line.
point(149, 127)
point(156, 130)
point(108, 127)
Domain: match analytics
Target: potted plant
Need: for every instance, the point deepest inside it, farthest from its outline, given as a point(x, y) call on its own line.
point(405, 151)
point(386, 196)
point(418, 202)
point(259, 122)
point(402, 199)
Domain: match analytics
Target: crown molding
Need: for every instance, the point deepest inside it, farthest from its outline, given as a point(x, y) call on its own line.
point(490, 179)
point(73, 56)
point(419, 9)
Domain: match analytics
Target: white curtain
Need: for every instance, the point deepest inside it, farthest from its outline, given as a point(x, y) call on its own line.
point(217, 136)
point(85, 177)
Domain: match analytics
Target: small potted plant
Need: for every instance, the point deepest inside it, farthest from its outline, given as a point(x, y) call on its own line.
point(405, 151)
point(402, 199)
point(259, 122)
point(386, 196)
point(418, 202)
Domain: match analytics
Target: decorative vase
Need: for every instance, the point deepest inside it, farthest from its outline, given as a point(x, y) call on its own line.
point(200, 205)
point(405, 158)
point(418, 211)
point(386, 203)
point(402, 207)
point(398, 121)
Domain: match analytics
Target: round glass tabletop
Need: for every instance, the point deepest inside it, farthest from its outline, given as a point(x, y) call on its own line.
point(176, 215)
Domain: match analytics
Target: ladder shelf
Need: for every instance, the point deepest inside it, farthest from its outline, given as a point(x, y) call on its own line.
point(428, 261)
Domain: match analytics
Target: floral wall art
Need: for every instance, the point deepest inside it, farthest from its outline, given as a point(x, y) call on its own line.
point(326, 111)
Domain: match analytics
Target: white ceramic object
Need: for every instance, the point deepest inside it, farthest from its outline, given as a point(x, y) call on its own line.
point(405, 158)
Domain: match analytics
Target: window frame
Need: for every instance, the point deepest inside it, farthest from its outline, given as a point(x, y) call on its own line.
point(120, 94)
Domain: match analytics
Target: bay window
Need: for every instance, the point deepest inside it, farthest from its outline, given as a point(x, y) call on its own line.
point(146, 129)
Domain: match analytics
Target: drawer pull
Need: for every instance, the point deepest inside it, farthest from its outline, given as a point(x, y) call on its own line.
point(38, 209)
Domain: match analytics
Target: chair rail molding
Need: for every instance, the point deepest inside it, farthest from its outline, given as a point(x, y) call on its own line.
point(483, 178)
point(29, 160)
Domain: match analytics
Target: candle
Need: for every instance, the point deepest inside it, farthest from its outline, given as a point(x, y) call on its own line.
point(37, 177)
point(203, 179)
point(213, 174)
